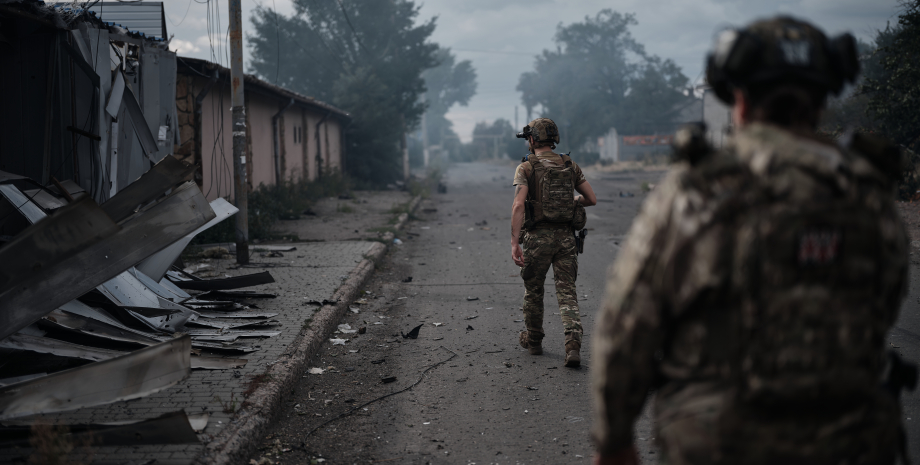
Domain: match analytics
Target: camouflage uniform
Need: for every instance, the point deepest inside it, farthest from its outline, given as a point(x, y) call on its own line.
point(754, 294)
point(546, 245)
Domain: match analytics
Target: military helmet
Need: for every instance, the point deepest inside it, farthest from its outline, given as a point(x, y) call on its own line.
point(781, 49)
point(542, 130)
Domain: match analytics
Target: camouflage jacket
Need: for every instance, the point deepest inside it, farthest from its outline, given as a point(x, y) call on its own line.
point(673, 318)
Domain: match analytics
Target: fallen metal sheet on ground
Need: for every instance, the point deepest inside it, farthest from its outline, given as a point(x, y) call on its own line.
point(223, 284)
point(88, 327)
point(212, 305)
point(208, 323)
point(214, 363)
point(78, 308)
point(157, 264)
point(22, 203)
point(173, 294)
point(242, 314)
point(127, 291)
point(218, 295)
point(231, 332)
point(19, 379)
point(171, 428)
point(128, 376)
point(57, 280)
point(169, 286)
point(223, 347)
point(215, 337)
point(37, 252)
point(152, 312)
point(168, 173)
point(46, 345)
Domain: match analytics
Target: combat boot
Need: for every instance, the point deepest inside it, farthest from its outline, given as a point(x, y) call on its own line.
point(534, 345)
point(572, 351)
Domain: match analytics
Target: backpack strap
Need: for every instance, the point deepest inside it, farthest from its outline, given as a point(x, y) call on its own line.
point(566, 159)
point(531, 192)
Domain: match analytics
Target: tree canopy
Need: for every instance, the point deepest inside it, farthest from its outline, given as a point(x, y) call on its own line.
point(893, 80)
point(600, 77)
point(364, 57)
point(449, 83)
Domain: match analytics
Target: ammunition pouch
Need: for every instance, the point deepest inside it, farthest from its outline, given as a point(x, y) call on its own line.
point(580, 217)
point(529, 215)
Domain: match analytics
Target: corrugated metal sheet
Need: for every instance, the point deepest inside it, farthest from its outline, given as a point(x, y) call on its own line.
point(146, 17)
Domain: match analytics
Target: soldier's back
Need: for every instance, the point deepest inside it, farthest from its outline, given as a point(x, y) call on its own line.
point(783, 266)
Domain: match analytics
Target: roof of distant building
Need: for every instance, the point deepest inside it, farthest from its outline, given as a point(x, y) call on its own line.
point(206, 68)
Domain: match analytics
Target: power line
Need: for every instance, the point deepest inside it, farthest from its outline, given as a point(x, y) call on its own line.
point(189, 7)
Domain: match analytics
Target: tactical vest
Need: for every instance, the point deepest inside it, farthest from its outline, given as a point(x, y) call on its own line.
point(814, 271)
point(550, 197)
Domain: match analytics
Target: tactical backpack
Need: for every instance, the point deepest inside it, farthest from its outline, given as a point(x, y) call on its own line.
point(817, 283)
point(551, 197)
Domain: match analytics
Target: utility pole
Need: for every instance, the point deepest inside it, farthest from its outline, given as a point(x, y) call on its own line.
point(238, 109)
point(405, 152)
point(425, 154)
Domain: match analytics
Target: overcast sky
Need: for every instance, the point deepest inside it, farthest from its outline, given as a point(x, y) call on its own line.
point(501, 37)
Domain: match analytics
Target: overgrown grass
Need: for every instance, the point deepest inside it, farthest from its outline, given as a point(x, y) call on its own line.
point(268, 204)
point(345, 208)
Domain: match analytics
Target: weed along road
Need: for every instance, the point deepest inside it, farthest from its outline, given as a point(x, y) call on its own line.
point(484, 399)
point(464, 391)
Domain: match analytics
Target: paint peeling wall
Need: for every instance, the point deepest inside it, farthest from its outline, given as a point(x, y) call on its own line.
point(297, 136)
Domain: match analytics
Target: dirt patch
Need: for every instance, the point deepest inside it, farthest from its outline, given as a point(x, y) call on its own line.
point(358, 217)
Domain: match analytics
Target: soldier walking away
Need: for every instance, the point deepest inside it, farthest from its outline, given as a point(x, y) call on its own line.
point(759, 281)
point(544, 218)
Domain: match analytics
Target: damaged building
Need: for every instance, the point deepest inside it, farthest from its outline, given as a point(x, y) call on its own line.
point(94, 212)
point(290, 137)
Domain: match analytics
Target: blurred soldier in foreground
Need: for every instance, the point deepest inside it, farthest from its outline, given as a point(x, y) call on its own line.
point(758, 281)
point(547, 209)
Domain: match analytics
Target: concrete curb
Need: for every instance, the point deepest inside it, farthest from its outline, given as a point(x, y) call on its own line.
point(240, 438)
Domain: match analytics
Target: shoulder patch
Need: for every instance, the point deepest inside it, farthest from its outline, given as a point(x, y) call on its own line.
point(690, 143)
point(818, 246)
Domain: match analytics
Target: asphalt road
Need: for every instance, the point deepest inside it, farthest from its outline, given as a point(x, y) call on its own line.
point(483, 399)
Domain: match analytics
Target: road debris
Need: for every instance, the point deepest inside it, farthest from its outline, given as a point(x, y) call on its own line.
point(413, 334)
point(338, 342)
point(315, 371)
point(346, 329)
point(470, 299)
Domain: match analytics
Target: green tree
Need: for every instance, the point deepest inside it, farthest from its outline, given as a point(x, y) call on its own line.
point(493, 141)
point(364, 57)
point(449, 83)
point(893, 86)
point(599, 77)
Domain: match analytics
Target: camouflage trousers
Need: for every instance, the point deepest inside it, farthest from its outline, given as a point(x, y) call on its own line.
point(544, 247)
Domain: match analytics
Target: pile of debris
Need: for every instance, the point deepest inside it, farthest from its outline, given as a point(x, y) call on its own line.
point(91, 311)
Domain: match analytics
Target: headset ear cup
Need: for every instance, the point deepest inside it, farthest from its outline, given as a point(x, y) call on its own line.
point(716, 78)
point(743, 59)
point(844, 58)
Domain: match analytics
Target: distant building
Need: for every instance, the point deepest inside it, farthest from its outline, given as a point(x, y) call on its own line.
point(617, 147)
point(86, 98)
point(291, 136)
